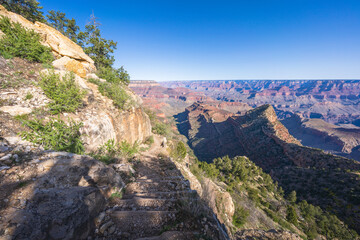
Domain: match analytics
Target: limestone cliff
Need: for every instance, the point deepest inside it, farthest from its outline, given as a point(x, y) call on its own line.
point(102, 121)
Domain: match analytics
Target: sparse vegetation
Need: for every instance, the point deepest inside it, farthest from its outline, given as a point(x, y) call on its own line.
point(178, 152)
point(240, 217)
point(54, 134)
point(114, 91)
point(161, 129)
point(111, 151)
point(29, 96)
point(241, 175)
point(149, 140)
point(113, 75)
point(65, 94)
point(23, 43)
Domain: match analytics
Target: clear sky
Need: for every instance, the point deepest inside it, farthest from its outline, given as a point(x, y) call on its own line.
point(241, 39)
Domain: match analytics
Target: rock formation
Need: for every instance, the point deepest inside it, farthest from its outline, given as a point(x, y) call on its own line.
point(51, 195)
point(71, 55)
point(335, 101)
point(260, 136)
point(317, 133)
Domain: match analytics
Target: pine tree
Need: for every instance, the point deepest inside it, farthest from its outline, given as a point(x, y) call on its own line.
point(291, 215)
point(292, 197)
point(64, 25)
point(30, 9)
point(57, 20)
point(98, 48)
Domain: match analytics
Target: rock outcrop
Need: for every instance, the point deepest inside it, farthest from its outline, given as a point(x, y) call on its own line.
point(260, 136)
point(101, 120)
point(70, 54)
point(51, 195)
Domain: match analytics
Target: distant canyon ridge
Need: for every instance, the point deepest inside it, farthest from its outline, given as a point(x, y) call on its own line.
point(322, 114)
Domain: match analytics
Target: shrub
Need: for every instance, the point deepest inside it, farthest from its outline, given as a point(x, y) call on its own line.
point(127, 149)
point(161, 129)
point(110, 151)
point(55, 135)
point(66, 95)
point(240, 217)
point(149, 140)
point(114, 75)
point(115, 92)
point(29, 96)
point(23, 43)
point(291, 215)
point(179, 151)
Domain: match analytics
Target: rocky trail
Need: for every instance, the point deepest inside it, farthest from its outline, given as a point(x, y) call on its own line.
point(157, 204)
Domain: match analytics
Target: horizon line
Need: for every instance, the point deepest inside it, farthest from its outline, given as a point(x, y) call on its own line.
point(292, 79)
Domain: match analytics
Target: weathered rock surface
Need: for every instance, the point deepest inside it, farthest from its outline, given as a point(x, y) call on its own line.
point(59, 44)
point(101, 120)
point(16, 110)
point(52, 195)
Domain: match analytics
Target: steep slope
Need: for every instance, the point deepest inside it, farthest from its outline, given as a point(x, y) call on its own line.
point(323, 179)
point(317, 133)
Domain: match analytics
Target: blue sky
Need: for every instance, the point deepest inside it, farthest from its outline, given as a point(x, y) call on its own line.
point(241, 39)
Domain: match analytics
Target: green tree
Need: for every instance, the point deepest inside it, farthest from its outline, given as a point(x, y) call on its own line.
point(98, 48)
point(292, 197)
point(57, 20)
point(291, 215)
point(180, 150)
point(30, 9)
point(66, 26)
point(72, 30)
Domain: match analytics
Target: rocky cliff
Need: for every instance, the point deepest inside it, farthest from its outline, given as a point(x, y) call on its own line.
point(316, 176)
point(335, 101)
point(102, 120)
point(317, 133)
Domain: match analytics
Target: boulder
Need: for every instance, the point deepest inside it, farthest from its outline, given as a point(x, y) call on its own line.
point(66, 63)
point(54, 195)
point(16, 110)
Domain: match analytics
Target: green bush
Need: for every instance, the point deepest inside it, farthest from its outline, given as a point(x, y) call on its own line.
point(114, 75)
point(55, 135)
point(179, 151)
point(150, 140)
point(115, 92)
point(110, 151)
point(65, 94)
point(240, 217)
point(127, 149)
point(291, 215)
point(23, 43)
point(161, 129)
